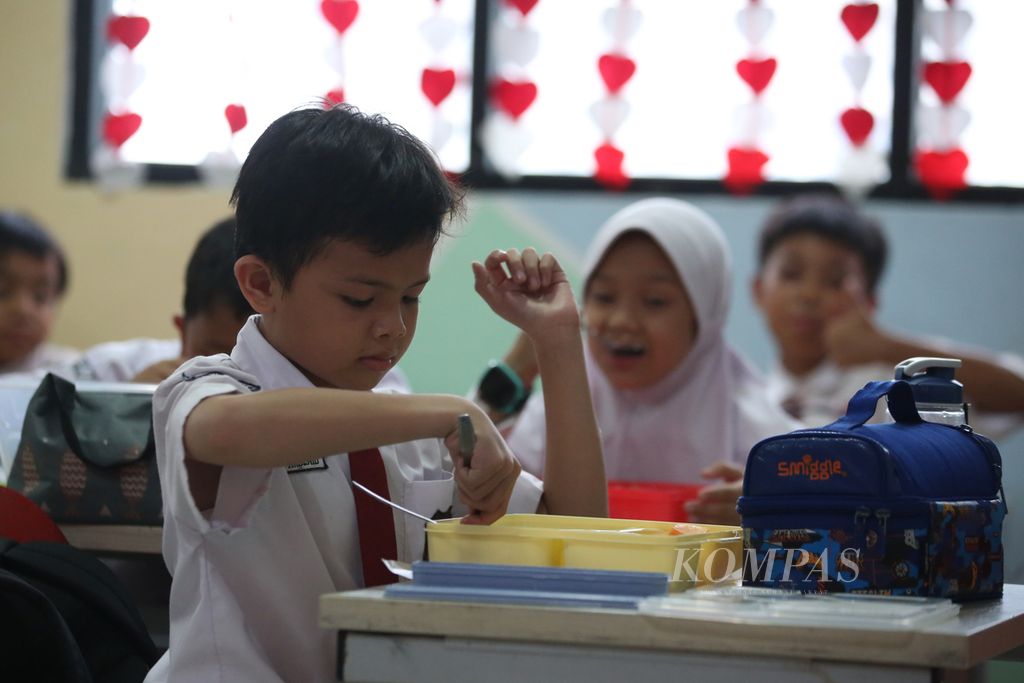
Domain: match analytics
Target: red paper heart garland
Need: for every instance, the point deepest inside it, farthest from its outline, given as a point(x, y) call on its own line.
point(524, 6)
point(118, 128)
point(616, 71)
point(947, 78)
point(942, 172)
point(127, 30)
point(745, 169)
point(757, 72)
point(437, 84)
point(858, 124)
point(859, 19)
point(334, 97)
point(236, 116)
point(339, 13)
point(513, 97)
point(609, 172)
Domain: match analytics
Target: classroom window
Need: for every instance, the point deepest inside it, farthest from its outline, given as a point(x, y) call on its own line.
point(514, 99)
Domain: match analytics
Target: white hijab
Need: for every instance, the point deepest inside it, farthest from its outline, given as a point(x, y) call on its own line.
point(712, 407)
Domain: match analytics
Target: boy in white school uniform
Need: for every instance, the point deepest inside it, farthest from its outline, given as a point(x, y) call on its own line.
point(338, 214)
point(820, 261)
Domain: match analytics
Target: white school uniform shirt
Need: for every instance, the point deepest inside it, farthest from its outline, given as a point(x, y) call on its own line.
point(712, 407)
point(43, 359)
point(247, 575)
point(820, 397)
point(120, 361)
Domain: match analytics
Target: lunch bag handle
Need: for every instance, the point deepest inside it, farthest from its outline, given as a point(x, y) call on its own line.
point(862, 406)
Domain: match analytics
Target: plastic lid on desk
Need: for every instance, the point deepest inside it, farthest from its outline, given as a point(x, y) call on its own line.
point(754, 605)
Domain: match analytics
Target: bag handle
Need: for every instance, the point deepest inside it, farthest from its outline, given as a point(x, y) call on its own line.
point(100, 443)
point(862, 406)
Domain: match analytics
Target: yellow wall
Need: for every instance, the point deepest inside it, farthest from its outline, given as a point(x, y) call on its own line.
point(127, 251)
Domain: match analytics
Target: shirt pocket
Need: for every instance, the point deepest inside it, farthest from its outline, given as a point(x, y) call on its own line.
point(430, 498)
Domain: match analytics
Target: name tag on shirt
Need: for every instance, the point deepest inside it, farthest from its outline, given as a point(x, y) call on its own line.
point(320, 464)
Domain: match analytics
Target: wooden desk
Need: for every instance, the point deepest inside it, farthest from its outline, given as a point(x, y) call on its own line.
point(114, 538)
point(404, 640)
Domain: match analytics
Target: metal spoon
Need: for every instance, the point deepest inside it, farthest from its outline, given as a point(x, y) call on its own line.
point(394, 505)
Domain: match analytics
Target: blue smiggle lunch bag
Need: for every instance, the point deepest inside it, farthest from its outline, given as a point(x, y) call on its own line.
point(906, 508)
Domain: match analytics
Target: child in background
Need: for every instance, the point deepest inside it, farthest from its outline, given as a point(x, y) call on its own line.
point(674, 402)
point(338, 214)
point(33, 279)
point(214, 311)
point(820, 264)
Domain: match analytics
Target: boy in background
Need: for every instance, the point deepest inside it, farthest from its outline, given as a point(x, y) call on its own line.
point(820, 261)
point(213, 312)
point(33, 279)
point(259, 452)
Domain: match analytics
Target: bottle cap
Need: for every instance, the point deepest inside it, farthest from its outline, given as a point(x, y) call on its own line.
point(932, 379)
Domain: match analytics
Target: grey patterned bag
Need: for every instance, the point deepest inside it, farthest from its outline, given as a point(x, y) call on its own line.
point(86, 454)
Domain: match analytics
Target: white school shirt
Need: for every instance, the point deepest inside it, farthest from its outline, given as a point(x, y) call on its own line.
point(43, 359)
point(120, 361)
point(247, 575)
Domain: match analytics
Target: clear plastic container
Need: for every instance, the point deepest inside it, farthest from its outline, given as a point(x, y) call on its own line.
point(938, 396)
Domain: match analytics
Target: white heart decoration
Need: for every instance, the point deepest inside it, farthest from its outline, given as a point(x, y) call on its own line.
point(947, 27)
point(440, 133)
point(940, 127)
point(862, 169)
point(219, 169)
point(857, 65)
point(113, 172)
point(609, 114)
point(754, 21)
point(120, 76)
point(334, 55)
point(516, 43)
point(504, 142)
point(750, 120)
point(621, 23)
point(438, 31)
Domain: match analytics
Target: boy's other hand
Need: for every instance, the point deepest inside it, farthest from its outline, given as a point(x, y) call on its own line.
point(716, 503)
point(530, 291)
point(486, 485)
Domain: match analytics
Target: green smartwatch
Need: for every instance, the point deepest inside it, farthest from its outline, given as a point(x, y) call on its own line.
point(502, 389)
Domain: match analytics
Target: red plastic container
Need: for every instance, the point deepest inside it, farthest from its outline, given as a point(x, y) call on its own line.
point(656, 501)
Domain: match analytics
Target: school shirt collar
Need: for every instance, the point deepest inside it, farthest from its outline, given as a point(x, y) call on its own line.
point(254, 354)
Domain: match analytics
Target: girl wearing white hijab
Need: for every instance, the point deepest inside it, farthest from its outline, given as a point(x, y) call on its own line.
point(674, 402)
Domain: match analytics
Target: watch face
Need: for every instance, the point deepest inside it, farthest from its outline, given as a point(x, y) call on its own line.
point(497, 389)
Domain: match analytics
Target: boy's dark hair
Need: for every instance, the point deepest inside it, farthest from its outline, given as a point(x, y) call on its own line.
point(18, 232)
point(320, 174)
point(832, 218)
point(210, 276)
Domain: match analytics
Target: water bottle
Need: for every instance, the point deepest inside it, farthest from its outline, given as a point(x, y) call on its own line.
point(937, 395)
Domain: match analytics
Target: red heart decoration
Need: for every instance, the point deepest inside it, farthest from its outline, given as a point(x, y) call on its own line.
point(745, 169)
point(513, 97)
point(235, 114)
point(609, 167)
point(947, 78)
point(437, 84)
point(616, 71)
point(859, 19)
point(942, 172)
point(756, 72)
point(524, 6)
point(129, 31)
point(339, 13)
point(117, 128)
point(333, 97)
point(857, 123)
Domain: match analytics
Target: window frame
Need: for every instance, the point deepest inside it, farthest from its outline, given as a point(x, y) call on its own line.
point(86, 54)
